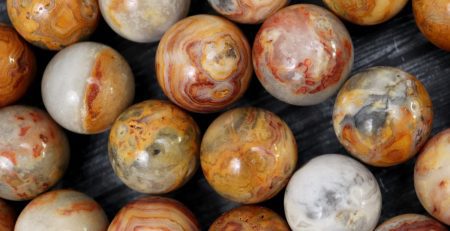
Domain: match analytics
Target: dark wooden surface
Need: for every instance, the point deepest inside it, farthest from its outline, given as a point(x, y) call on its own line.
point(396, 43)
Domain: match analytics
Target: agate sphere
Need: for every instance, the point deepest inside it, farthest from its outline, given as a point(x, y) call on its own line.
point(247, 11)
point(411, 222)
point(248, 154)
point(86, 86)
point(203, 63)
point(17, 66)
point(333, 192)
point(143, 20)
point(54, 24)
point(66, 210)
point(302, 54)
point(154, 213)
point(432, 176)
point(383, 116)
point(250, 218)
point(432, 18)
point(34, 152)
point(154, 147)
point(7, 217)
point(366, 12)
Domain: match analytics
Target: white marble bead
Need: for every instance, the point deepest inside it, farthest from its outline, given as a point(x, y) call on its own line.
point(143, 20)
point(333, 192)
point(86, 86)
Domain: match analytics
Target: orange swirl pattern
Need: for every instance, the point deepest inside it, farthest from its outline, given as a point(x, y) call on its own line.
point(154, 213)
point(34, 152)
point(54, 24)
point(411, 222)
point(366, 12)
point(203, 63)
point(302, 54)
point(248, 11)
point(248, 154)
point(154, 147)
point(62, 210)
point(17, 66)
point(250, 218)
point(432, 17)
point(7, 217)
point(432, 176)
point(383, 116)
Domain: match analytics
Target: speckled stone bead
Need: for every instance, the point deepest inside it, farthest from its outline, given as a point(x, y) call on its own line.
point(411, 222)
point(54, 24)
point(383, 116)
point(203, 63)
point(249, 218)
point(97, 86)
point(66, 210)
point(34, 152)
point(248, 155)
point(366, 12)
point(432, 176)
point(302, 54)
point(143, 20)
point(154, 147)
point(247, 11)
point(332, 192)
point(154, 213)
point(17, 66)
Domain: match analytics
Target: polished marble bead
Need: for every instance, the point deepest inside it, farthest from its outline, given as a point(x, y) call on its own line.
point(247, 11)
point(432, 176)
point(203, 63)
point(432, 17)
point(143, 20)
point(17, 66)
point(66, 210)
point(248, 154)
point(54, 24)
point(86, 86)
point(411, 222)
point(249, 218)
point(34, 152)
point(366, 12)
point(332, 192)
point(154, 147)
point(302, 54)
point(383, 116)
point(154, 213)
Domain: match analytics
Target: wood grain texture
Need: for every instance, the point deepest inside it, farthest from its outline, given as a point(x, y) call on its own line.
point(396, 43)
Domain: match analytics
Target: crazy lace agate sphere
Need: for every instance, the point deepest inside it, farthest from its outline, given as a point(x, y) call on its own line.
point(366, 12)
point(54, 24)
point(247, 11)
point(203, 63)
point(333, 192)
point(432, 18)
point(432, 176)
point(383, 116)
point(34, 152)
point(17, 66)
point(62, 210)
point(154, 147)
point(411, 222)
point(97, 85)
point(249, 218)
point(302, 54)
point(143, 20)
point(248, 154)
point(154, 213)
